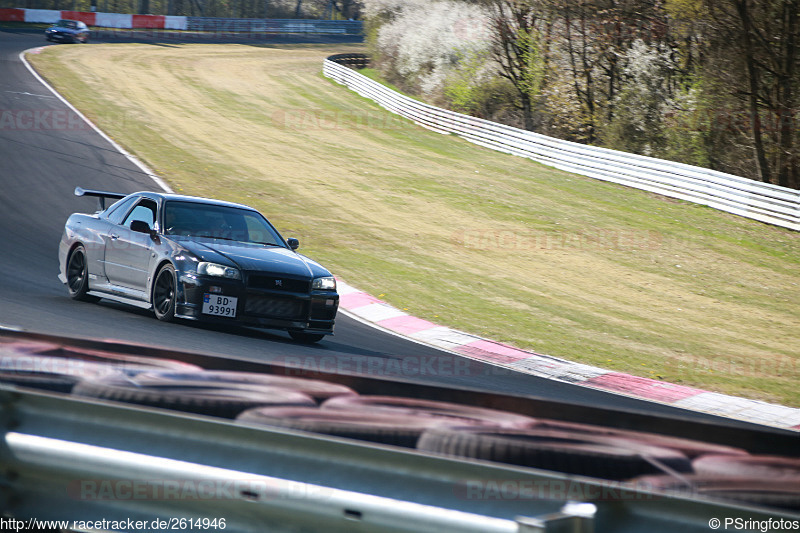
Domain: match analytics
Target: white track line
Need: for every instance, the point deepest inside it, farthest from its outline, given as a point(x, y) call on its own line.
point(161, 183)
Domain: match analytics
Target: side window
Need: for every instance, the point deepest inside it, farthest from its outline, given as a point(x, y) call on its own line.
point(258, 230)
point(145, 211)
point(117, 211)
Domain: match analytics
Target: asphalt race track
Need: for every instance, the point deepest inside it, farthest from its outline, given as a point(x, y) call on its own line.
point(41, 165)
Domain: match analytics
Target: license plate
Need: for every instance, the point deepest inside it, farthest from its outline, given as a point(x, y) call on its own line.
point(214, 304)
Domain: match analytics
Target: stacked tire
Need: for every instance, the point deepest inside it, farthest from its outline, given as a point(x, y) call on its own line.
point(381, 419)
point(52, 367)
point(214, 393)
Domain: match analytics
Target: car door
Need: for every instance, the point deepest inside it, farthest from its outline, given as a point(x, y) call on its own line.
point(129, 253)
point(100, 232)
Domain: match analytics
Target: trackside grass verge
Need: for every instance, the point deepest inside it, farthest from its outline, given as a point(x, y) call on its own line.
point(460, 235)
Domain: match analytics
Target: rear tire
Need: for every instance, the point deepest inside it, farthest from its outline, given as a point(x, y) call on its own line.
point(165, 294)
point(78, 276)
point(306, 338)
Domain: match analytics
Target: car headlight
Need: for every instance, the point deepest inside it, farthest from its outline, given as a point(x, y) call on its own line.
point(218, 271)
point(325, 284)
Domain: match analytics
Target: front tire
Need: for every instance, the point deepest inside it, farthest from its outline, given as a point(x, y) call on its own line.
point(306, 338)
point(165, 294)
point(78, 276)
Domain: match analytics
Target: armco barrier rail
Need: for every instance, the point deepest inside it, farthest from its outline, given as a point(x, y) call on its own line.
point(348, 27)
point(741, 196)
point(196, 24)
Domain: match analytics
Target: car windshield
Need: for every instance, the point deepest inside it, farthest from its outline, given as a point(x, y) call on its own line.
point(193, 219)
point(67, 24)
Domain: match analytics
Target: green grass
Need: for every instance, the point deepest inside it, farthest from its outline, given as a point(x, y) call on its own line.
point(460, 235)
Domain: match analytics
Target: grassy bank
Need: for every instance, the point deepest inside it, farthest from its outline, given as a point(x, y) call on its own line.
point(488, 243)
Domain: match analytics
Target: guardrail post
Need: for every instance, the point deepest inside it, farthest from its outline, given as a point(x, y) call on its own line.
point(573, 518)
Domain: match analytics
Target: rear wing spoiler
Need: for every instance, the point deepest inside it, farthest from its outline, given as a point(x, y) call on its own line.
point(101, 195)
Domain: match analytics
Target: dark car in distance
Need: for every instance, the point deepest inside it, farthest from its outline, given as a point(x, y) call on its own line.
point(197, 259)
point(68, 31)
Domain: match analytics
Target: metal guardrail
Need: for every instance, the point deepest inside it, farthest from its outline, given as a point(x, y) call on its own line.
point(108, 22)
point(342, 27)
point(67, 458)
point(356, 61)
point(741, 196)
point(210, 29)
point(78, 459)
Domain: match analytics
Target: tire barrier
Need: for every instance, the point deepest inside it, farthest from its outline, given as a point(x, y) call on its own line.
point(690, 448)
point(754, 466)
point(394, 429)
point(317, 389)
point(223, 399)
point(452, 413)
point(71, 356)
point(51, 367)
point(562, 451)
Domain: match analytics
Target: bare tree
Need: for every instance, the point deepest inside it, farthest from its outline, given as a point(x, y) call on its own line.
point(521, 49)
point(761, 41)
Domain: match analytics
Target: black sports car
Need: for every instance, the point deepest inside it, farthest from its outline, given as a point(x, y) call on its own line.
point(71, 31)
point(197, 259)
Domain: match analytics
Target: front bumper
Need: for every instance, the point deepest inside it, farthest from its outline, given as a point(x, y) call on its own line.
point(309, 311)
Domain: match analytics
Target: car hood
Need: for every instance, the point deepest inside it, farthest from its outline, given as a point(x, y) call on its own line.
point(255, 257)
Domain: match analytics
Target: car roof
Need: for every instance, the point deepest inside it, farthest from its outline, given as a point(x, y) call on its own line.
point(195, 199)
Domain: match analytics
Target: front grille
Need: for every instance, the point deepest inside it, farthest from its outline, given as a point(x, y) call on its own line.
point(268, 306)
point(277, 283)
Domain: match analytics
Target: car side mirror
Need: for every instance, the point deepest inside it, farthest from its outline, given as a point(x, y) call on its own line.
point(293, 243)
point(140, 226)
